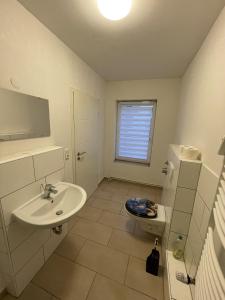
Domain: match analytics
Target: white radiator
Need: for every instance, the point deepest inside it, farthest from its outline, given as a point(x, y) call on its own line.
point(210, 280)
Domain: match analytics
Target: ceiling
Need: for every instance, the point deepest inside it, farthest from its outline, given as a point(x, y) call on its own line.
point(158, 39)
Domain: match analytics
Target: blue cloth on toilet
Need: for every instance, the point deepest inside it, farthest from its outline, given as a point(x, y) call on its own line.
point(144, 208)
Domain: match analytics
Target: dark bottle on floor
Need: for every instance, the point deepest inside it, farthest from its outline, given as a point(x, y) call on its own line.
point(152, 262)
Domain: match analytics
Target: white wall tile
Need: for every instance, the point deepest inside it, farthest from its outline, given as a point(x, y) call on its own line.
point(18, 198)
point(189, 174)
point(55, 177)
point(166, 290)
point(192, 288)
point(172, 239)
point(53, 242)
point(195, 240)
point(192, 274)
point(193, 269)
point(1, 218)
point(204, 200)
point(198, 210)
point(22, 254)
point(180, 222)
point(178, 290)
point(184, 200)
point(207, 187)
point(10, 284)
point(17, 233)
point(48, 162)
point(205, 222)
point(15, 175)
point(188, 256)
point(26, 244)
point(2, 241)
point(29, 270)
point(5, 264)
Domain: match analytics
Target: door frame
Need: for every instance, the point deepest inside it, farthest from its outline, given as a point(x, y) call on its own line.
point(73, 133)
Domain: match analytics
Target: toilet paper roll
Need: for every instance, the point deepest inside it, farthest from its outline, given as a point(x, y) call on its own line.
point(190, 152)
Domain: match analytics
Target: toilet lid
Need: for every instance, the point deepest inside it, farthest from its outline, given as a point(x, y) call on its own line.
point(143, 208)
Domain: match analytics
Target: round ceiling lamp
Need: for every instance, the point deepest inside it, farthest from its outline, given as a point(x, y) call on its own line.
point(114, 9)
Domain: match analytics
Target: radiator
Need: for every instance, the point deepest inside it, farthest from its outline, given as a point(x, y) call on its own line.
point(210, 280)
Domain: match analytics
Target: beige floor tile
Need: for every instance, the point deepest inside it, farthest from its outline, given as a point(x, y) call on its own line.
point(138, 279)
point(73, 221)
point(70, 246)
point(107, 205)
point(118, 197)
point(123, 211)
point(130, 244)
point(117, 221)
point(103, 286)
point(89, 201)
point(92, 231)
point(102, 194)
point(106, 261)
point(144, 191)
point(114, 186)
point(107, 187)
point(31, 292)
point(90, 213)
point(120, 189)
point(64, 279)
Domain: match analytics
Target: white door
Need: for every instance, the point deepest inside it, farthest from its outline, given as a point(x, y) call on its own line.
point(86, 141)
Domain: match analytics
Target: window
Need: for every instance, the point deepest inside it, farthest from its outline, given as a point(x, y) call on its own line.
point(135, 122)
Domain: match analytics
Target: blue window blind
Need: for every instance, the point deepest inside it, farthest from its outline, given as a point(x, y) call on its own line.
point(135, 123)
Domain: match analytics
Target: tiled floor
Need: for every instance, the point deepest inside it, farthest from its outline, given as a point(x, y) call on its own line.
point(103, 256)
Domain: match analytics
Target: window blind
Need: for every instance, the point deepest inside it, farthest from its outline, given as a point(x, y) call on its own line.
point(135, 122)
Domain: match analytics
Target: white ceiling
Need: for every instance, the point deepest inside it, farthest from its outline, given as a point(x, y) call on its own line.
point(158, 39)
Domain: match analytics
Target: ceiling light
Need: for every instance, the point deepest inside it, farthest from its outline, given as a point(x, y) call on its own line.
point(114, 9)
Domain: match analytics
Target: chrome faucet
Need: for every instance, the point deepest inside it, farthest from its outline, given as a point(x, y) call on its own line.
point(48, 189)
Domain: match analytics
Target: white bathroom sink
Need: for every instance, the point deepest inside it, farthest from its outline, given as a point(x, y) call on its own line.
point(52, 212)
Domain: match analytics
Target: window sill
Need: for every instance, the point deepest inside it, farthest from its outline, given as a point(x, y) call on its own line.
point(144, 164)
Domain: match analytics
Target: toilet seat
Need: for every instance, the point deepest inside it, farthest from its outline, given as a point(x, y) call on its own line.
point(155, 225)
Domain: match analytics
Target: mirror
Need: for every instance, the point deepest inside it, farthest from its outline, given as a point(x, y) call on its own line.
point(23, 116)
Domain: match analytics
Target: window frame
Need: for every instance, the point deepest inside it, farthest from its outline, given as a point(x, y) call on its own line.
point(151, 134)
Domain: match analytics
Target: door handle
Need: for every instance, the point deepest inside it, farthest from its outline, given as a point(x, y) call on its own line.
point(164, 171)
point(79, 154)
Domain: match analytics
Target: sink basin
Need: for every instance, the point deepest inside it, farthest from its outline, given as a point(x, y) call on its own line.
point(49, 213)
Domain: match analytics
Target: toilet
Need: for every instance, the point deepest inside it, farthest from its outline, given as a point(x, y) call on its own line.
point(152, 225)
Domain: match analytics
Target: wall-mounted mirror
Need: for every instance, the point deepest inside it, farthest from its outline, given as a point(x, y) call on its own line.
point(23, 116)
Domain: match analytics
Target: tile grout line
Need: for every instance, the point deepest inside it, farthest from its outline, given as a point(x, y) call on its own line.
point(153, 298)
point(44, 289)
point(101, 274)
point(103, 245)
point(96, 273)
point(125, 275)
point(115, 281)
point(92, 284)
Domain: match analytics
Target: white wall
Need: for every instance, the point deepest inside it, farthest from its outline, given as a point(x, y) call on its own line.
point(202, 105)
point(166, 91)
point(202, 124)
point(41, 65)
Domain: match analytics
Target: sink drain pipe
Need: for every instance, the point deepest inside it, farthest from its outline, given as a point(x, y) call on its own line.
point(57, 229)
